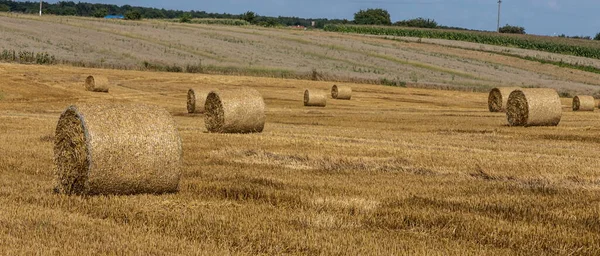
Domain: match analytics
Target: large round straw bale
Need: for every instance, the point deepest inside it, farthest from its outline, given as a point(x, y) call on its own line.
point(235, 111)
point(341, 92)
point(584, 103)
point(96, 84)
point(498, 98)
point(315, 98)
point(117, 149)
point(534, 107)
point(196, 98)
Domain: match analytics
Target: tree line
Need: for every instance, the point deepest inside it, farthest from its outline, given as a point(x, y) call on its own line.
point(362, 17)
point(83, 9)
point(382, 17)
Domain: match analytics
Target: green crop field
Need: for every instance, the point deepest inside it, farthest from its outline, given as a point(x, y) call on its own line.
point(546, 44)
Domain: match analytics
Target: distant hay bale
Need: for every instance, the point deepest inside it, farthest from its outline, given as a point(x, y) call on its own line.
point(196, 99)
point(498, 98)
point(235, 111)
point(534, 107)
point(116, 149)
point(341, 92)
point(96, 84)
point(315, 98)
point(584, 103)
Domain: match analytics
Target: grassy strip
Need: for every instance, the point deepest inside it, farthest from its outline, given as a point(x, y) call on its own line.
point(561, 64)
point(27, 57)
point(475, 37)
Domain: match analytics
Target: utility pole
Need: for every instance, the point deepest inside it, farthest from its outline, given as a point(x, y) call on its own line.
point(40, 7)
point(498, 27)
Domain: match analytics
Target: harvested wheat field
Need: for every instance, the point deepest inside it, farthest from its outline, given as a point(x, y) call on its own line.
point(393, 171)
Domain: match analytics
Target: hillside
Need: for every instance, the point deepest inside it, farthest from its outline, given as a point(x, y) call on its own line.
point(393, 171)
point(288, 53)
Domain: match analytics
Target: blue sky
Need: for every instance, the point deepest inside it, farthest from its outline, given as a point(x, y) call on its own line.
point(544, 17)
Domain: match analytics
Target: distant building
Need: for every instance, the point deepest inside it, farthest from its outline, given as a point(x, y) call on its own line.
point(120, 17)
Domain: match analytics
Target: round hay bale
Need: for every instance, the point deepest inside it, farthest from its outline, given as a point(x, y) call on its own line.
point(341, 92)
point(96, 84)
point(235, 111)
point(117, 149)
point(315, 98)
point(584, 103)
point(534, 107)
point(196, 98)
point(498, 98)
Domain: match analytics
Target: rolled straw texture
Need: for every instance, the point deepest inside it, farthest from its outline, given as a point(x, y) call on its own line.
point(341, 92)
point(584, 103)
point(96, 84)
point(235, 111)
point(498, 98)
point(196, 98)
point(117, 149)
point(534, 107)
point(315, 98)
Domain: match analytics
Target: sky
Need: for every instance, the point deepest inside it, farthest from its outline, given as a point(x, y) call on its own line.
point(542, 17)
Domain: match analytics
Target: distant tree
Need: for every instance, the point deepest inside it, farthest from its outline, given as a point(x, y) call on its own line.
point(4, 8)
point(372, 17)
point(512, 29)
point(185, 18)
point(597, 37)
point(270, 22)
point(418, 23)
point(133, 15)
point(249, 17)
point(100, 13)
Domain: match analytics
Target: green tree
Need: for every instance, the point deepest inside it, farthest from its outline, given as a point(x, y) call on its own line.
point(512, 29)
point(100, 13)
point(133, 15)
point(372, 17)
point(185, 18)
point(249, 17)
point(597, 37)
point(4, 8)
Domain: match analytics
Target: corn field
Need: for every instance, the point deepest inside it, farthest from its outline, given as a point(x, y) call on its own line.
point(530, 43)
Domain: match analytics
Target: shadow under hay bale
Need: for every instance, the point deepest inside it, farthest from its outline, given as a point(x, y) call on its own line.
point(315, 98)
point(117, 149)
point(235, 111)
point(341, 92)
point(498, 98)
point(584, 103)
point(96, 84)
point(196, 98)
point(534, 107)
